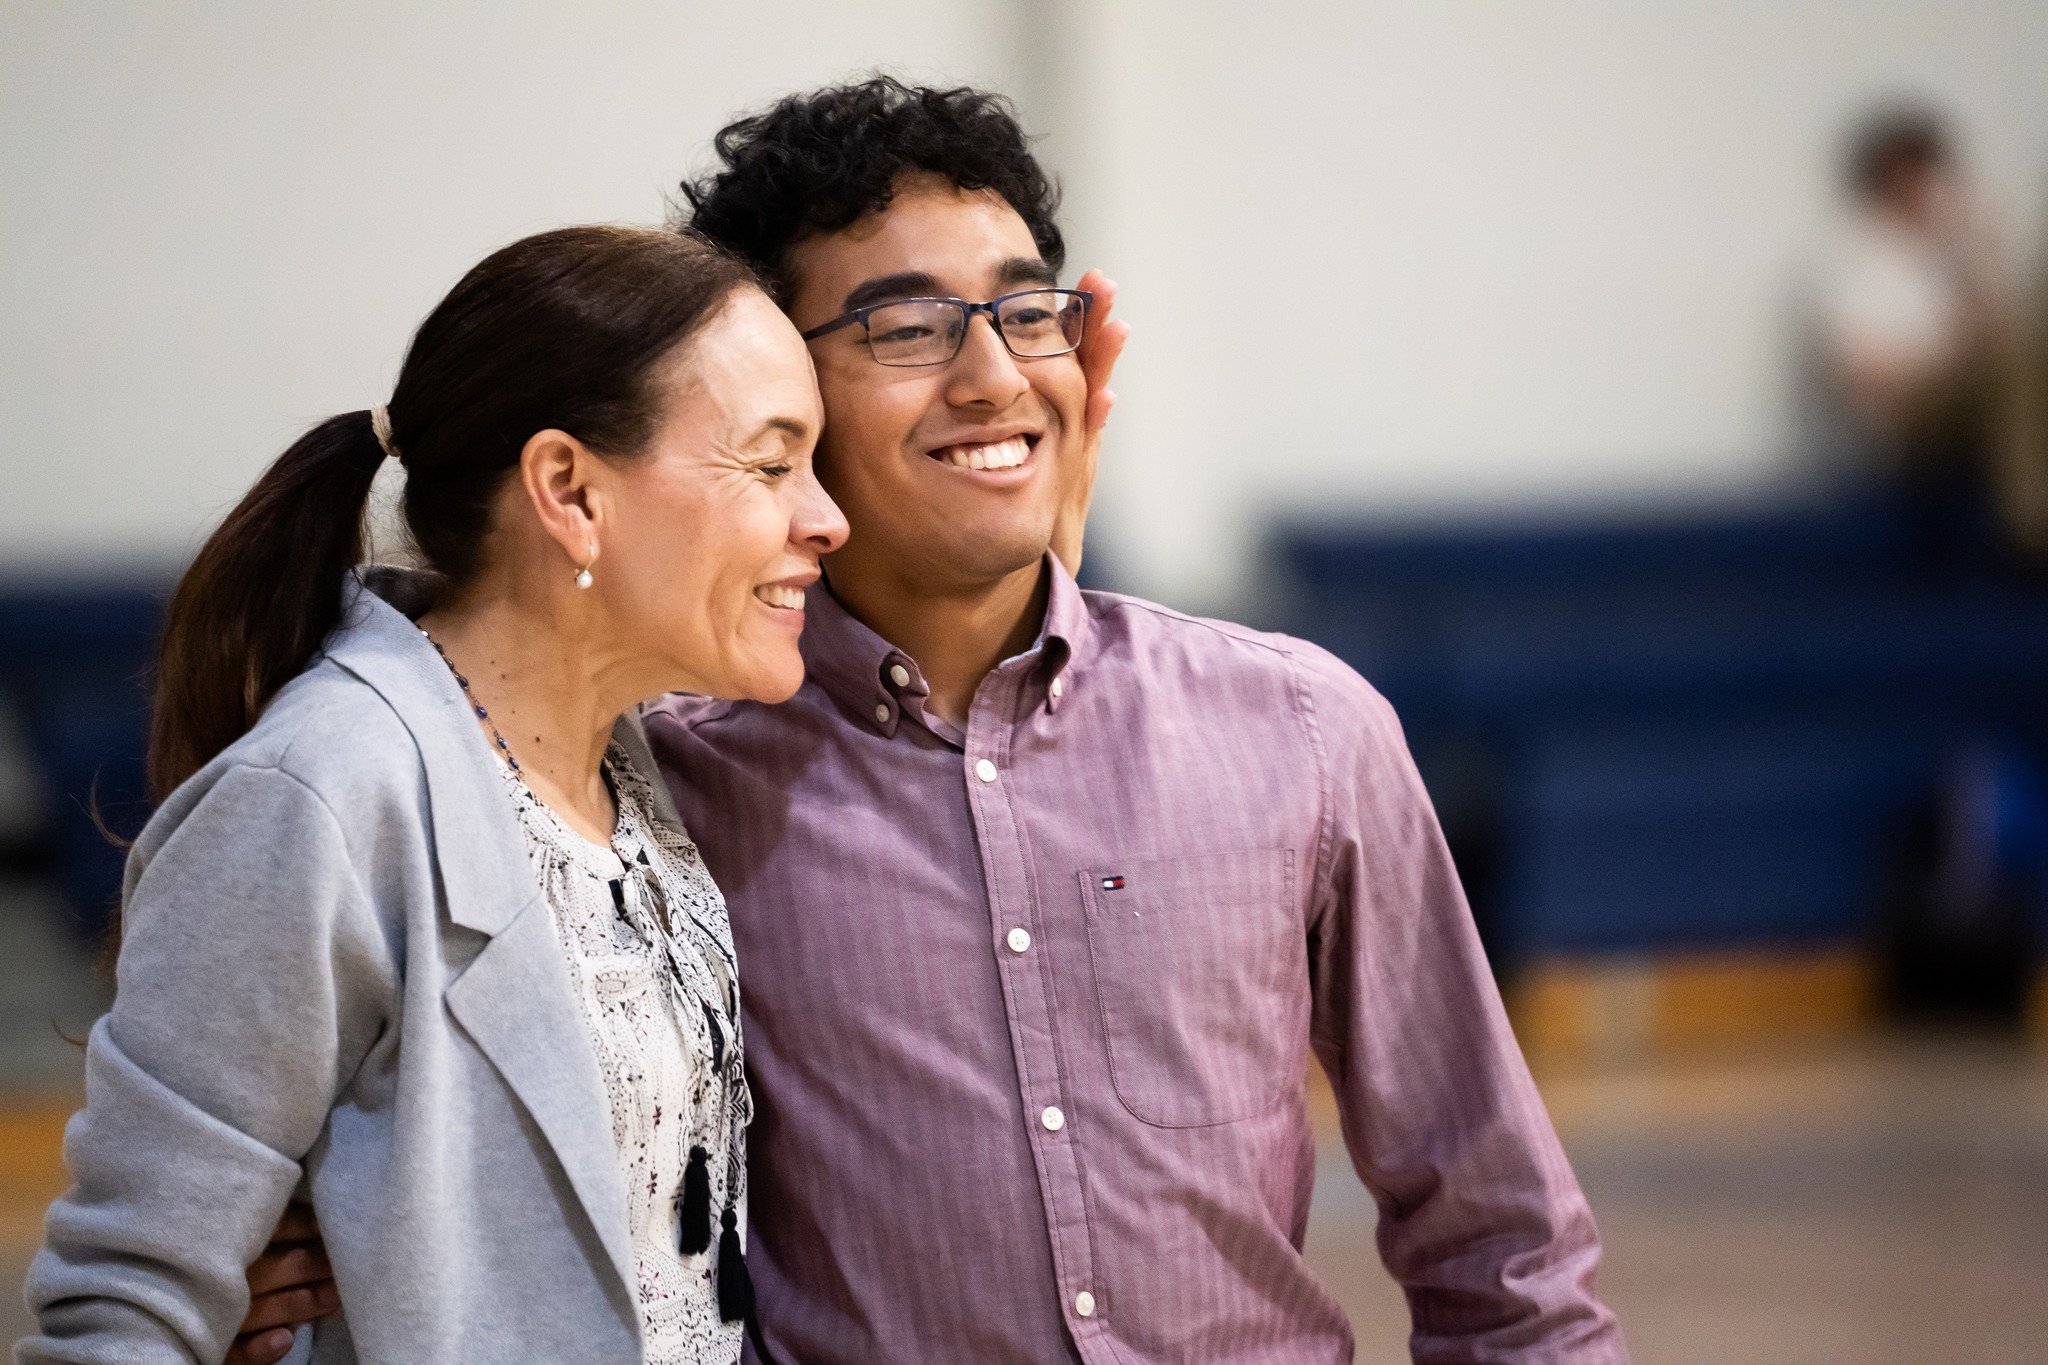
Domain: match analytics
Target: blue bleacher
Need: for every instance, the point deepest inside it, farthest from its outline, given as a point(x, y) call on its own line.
point(1698, 729)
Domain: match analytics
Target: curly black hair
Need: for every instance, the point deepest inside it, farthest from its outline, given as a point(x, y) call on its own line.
point(819, 161)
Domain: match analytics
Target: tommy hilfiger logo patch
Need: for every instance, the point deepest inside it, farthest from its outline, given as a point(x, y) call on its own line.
point(1112, 883)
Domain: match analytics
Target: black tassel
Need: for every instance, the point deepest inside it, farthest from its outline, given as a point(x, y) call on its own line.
point(735, 1285)
point(696, 1219)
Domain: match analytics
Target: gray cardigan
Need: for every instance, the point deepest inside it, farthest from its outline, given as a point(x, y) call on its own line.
point(339, 982)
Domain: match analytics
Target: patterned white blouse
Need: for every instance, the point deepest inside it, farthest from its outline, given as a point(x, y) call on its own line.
point(644, 930)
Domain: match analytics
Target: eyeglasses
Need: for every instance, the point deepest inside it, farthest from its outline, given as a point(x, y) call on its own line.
point(1033, 323)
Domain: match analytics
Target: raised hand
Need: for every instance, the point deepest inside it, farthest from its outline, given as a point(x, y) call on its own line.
point(1102, 341)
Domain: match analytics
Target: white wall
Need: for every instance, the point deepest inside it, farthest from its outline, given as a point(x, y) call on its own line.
point(1526, 252)
point(220, 222)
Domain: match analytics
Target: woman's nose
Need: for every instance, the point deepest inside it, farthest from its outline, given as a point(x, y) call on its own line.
point(819, 525)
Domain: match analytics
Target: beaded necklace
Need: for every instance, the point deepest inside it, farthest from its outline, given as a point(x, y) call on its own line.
point(474, 704)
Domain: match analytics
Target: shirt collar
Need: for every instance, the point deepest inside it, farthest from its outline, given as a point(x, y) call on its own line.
point(858, 669)
point(1067, 622)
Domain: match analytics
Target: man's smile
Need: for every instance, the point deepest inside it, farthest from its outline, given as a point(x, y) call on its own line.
point(986, 454)
point(1008, 454)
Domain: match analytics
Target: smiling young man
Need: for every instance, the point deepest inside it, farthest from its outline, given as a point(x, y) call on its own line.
point(1045, 897)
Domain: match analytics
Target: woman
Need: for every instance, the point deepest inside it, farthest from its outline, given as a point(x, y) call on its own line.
point(415, 935)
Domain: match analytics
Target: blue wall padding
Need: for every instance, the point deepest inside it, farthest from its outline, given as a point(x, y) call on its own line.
point(74, 662)
point(1693, 730)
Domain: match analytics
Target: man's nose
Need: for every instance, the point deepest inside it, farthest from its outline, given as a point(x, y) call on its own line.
point(984, 371)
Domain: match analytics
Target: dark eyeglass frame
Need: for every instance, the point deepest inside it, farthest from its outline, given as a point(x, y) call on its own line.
point(967, 312)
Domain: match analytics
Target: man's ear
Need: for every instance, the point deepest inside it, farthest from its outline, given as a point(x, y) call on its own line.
point(557, 473)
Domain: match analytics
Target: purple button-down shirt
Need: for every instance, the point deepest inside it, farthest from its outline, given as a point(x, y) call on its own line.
point(1029, 1009)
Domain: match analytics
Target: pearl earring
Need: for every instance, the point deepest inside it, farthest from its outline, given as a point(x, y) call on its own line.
point(583, 578)
point(583, 574)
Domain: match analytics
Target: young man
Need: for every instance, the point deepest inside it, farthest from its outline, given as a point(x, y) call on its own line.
point(1044, 896)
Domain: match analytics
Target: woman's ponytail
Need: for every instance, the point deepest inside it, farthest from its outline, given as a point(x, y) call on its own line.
point(566, 329)
point(261, 596)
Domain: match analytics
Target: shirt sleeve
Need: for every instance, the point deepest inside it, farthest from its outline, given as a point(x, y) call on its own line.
point(1481, 1219)
point(252, 981)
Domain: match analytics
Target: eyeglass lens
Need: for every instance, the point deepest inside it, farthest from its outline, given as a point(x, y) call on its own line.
point(1036, 323)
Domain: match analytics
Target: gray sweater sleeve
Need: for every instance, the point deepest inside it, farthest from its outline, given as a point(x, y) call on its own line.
point(252, 980)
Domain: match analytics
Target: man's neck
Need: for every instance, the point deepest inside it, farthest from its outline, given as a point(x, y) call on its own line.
point(957, 636)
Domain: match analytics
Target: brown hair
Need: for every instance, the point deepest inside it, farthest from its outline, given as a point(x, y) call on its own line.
point(559, 330)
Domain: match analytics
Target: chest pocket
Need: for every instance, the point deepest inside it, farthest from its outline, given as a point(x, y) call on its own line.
point(1201, 971)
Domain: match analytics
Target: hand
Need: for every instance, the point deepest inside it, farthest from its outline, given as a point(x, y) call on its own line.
point(1102, 341)
point(290, 1285)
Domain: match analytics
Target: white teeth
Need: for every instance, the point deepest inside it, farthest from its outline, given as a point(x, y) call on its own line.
point(1000, 455)
point(780, 595)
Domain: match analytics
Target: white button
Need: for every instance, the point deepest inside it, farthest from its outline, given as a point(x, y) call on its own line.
point(1084, 1304)
point(899, 675)
point(882, 713)
point(1059, 688)
point(985, 770)
point(1052, 1118)
point(1020, 940)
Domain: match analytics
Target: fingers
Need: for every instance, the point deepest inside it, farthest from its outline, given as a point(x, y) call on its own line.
point(286, 1267)
point(297, 1225)
point(260, 1348)
point(1097, 327)
point(1098, 318)
point(289, 1308)
point(290, 1285)
point(1102, 341)
point(1102, 291)
point(1102, 361)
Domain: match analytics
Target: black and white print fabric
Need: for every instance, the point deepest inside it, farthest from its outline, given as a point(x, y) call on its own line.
point(649, 949)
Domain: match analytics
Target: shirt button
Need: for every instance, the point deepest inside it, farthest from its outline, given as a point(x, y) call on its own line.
point(1059, 687)
point(1020, 940)
point(1084, 1304)
point(899, 675)
point(1052, 1118)
point(985, 770)
point(882, 713)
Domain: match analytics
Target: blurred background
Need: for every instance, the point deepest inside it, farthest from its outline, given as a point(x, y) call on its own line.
point(1651, 399)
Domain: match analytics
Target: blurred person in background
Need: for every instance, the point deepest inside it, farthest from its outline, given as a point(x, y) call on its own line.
point(415, 936)
point(1932, 391)
point(1909, 327)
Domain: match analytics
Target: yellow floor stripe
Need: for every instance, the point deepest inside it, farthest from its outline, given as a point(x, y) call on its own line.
point(31, 1163)
point(1615, 1008)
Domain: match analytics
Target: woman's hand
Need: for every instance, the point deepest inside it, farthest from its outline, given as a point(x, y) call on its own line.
point(290, 1285)
point(1102, 341)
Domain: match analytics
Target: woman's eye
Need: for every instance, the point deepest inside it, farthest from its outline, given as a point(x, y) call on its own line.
point(776, 471)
